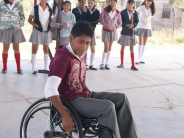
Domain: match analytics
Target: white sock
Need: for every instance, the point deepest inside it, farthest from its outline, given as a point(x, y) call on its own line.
point(108, 55)
point(103, 57)
point(142, 52)
point(139, 51)
point(33, 60)
point(45, 61)
point(92, 58)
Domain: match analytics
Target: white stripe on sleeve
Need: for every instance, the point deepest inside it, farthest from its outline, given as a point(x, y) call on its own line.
point(51, 86)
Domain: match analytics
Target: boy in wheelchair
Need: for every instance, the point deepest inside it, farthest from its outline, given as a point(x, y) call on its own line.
point(67, 75)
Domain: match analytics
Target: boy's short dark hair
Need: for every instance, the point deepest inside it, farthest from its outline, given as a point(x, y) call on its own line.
point(82, 28)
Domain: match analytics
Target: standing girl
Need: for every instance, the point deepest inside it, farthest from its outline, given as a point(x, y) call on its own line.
point(67, 22)
point(129, 20)
point(146, 11)
point(42, 15)
point(92, 17)
point(110, 18)
point(54, 7)
point(11, 21)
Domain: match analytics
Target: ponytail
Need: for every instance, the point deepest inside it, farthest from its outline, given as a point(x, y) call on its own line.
point(50, 10)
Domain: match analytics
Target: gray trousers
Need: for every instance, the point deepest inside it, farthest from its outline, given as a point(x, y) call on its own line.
point(111, 109)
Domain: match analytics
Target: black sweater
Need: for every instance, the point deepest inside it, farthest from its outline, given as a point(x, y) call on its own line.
point(93, 18)
point(78, 16)
point(126, 20)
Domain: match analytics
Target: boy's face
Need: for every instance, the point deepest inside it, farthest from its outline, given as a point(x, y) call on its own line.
point(80, 44)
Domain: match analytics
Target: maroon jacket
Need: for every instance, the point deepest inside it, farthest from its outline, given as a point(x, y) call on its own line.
point(72, 71)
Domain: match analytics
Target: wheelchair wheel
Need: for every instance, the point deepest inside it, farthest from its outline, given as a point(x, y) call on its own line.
point(42, 120)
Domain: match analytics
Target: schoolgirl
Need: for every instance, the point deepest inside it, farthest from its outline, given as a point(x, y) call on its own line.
point(110, 18)
point(67, 22)
point(11, 20)
point(144, 30)
point(130, 20)
point(92, 17)
point(42, 15)
point(54, 7)
point(80, 11)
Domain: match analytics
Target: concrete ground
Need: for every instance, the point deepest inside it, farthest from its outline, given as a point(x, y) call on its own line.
point(155, 92)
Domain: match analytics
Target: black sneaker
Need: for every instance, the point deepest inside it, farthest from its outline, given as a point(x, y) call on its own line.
point(134, 68)
point(92, 67)
point(34, 72)
point(107, 67)
point(4, 71)
point(120, 66)
point(102, 66)
point(142, 62)
point(19, 71)
point(137, 63)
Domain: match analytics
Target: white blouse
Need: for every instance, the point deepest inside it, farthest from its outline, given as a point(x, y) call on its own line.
point(145, 16)
point(43, 16)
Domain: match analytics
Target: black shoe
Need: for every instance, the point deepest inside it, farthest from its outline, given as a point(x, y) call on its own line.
point(34, 72)
point(142, 62)
point(120, 66)
point(92, 67)
point(107, 67)
point(43, 71)
point(134, 68)
point(19, 71)
point(137, 63)
point(4, 71)
point(102, 66)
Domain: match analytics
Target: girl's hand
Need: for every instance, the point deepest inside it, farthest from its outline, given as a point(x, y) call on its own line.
point(63, 25)
point(84, 9)
point(51, 22)
point(131, 25)
point(37, 26)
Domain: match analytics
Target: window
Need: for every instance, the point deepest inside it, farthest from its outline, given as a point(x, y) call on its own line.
point(137, 4)
point(166, 11)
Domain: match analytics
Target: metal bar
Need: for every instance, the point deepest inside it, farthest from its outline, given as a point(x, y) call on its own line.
point(59, 21)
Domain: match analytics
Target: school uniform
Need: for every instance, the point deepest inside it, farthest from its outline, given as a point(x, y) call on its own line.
point(11, 20)
point(42, 34)
point(144, 28)
point(92, 17)
point(79, 15)
point(110, 21)
point(54, 32)
point(68, 19)
point(127, 37)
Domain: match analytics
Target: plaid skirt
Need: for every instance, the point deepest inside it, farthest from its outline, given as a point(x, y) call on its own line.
point(143, 32)
point(109, 36)
point(37, 37)
point(93, 41)
point(126, 40)
point(12, 35)
point(63, 40)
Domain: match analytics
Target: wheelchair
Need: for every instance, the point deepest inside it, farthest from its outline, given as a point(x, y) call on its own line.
point(42, 120)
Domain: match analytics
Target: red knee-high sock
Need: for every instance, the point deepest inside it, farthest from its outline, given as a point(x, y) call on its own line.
point(122, 57)
point(132, 58)
point(5, 57)
point(17, 58)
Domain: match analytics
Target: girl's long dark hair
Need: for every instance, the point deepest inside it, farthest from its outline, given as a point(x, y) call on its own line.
point(55, 5)
point(7, 1)
point(109, 8)
point(50, 10)
point(152, 7)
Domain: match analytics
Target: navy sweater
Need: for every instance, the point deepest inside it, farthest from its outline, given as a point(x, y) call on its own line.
point(126, 20)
